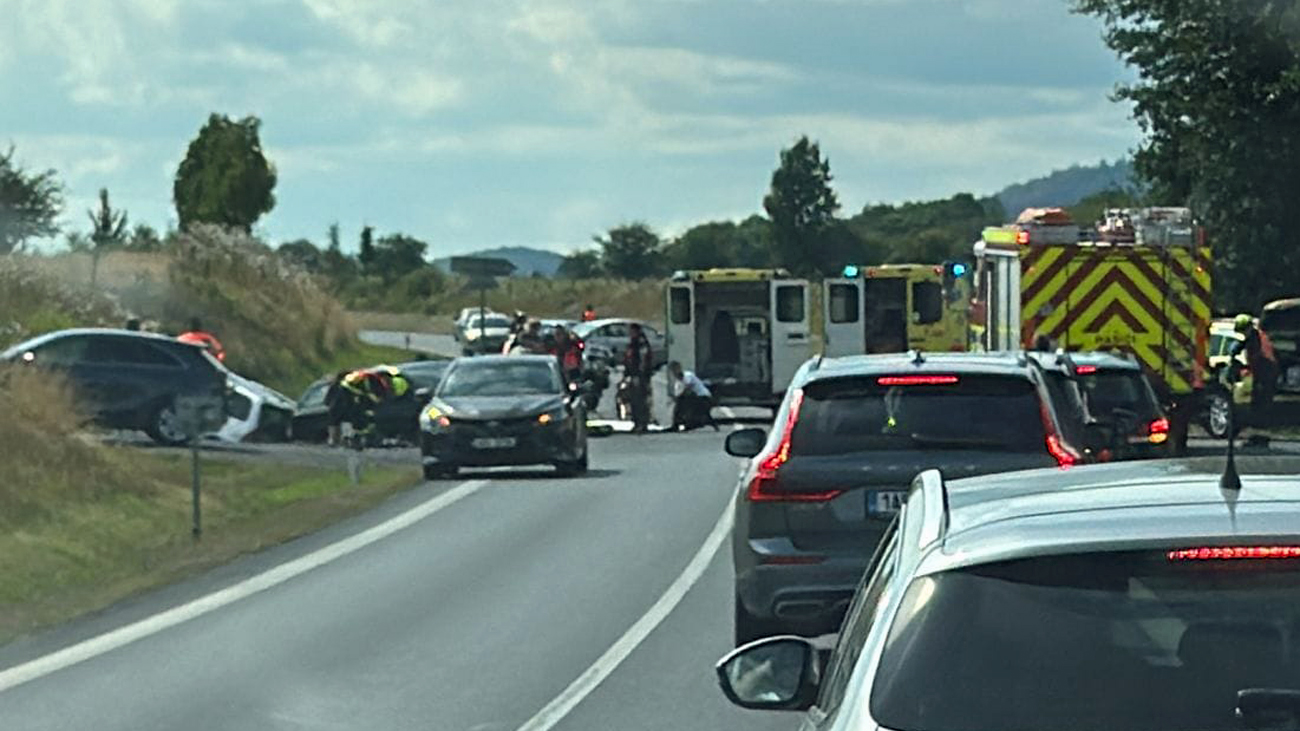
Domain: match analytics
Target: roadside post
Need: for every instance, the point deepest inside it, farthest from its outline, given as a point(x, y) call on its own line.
point(198, 415)
point(482, 272)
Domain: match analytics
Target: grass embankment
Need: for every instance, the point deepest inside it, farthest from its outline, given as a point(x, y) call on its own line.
point(83, 525)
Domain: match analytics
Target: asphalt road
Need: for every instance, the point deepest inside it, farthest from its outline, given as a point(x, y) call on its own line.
point(433, 344)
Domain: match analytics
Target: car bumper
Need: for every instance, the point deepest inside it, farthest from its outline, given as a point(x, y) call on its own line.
point(806, 593)
point(534, 444)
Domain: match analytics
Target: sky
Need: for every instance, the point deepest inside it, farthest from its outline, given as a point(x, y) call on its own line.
point(480, 123)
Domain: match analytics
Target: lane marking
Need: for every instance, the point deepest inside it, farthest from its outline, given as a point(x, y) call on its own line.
point(156, 623)
point(727, 412)
point(566, 701)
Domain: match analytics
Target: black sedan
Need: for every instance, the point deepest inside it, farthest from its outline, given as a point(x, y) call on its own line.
point(503, 410)
point(394, 419)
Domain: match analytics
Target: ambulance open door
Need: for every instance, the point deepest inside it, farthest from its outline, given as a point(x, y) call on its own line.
point(843, 331)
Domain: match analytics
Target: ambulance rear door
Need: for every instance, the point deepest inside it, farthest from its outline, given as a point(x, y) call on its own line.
point(790, 343)
point(681, 323)
point(843, 331)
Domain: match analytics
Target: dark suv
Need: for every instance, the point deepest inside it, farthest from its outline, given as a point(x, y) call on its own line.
point(849, 437)
point(125, 379)
point(1118, 396)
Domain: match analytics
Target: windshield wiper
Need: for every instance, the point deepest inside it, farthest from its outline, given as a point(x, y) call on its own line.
point(957, 442)
point(1260, 708)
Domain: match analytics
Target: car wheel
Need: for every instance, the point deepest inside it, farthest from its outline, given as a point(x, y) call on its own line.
point(749, 628)
point(164, 426)
point(1218, 414)
point(439, 472)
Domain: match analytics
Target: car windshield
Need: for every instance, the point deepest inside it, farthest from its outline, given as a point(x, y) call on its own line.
point(496, 321)
point(500, 378)
point(1283, 319)
point(1096, 642)
point(1108, 390)
point(847, 415)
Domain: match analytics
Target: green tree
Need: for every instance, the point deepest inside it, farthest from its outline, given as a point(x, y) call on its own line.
point(225, 178)
point(722, 244)
point(335, 264)
point(397, 255)
point(1218, 100)
point(366, 250)
point(580, 265)
point(107, 226)
point(144, 238)
point(802, 207)
point(30, 203)
point(303, 254)
point(631, 251)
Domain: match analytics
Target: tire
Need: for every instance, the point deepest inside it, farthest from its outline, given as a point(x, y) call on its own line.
point(439, 472)
point(749, 628)
point(162, 427)
point(573, 469)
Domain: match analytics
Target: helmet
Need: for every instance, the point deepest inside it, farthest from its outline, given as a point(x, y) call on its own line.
point(1243, 322)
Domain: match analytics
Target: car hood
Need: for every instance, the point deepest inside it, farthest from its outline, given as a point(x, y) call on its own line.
point(497, 407)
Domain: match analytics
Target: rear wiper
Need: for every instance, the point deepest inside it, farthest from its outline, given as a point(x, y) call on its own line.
point(956, 442)
point(1260, 708)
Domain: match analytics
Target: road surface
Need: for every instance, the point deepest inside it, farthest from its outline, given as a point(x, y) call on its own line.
point(479, 614)
point(444, 345)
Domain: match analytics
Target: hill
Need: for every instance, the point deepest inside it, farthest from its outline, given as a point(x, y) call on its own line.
point(527, 260)
point(1067, 187)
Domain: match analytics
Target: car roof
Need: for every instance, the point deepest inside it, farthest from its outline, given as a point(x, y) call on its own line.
point(1100, 359)
point(78, 331)
point(490, 359)
point(1155, 504)
point(1282, 304)
point(997, 363)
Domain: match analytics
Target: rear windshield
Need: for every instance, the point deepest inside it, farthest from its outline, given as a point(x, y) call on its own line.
point(1099, 642)
point(1283, 318)
point(845, 415)
point(1110, 390)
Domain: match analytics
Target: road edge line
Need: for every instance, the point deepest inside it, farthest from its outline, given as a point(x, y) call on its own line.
point(155, 623)
point(568, 699)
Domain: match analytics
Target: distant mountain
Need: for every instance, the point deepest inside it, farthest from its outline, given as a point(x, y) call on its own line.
point(528, 261)
point(1067, 187)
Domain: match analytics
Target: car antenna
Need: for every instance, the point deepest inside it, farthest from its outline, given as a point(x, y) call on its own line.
point(1230, 480)
point(919, 358)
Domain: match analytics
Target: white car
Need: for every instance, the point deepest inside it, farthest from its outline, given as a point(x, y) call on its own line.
point(463, 317)
point(484, 333)
point(256, 412)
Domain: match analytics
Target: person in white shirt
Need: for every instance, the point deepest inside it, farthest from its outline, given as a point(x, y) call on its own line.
point(692, 400)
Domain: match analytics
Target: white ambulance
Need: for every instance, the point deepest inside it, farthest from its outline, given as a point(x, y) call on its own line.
point(743, 331)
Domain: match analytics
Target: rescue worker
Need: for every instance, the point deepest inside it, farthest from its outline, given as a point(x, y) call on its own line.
point(196, 335)
point(364, 388)
point(589, 313)
point(692, 400)
point(528, 340)
point(568, 352)
point(337, 407)
point(1260, 359)
point(638, 366)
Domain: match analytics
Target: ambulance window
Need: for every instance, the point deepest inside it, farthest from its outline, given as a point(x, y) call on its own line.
point(789, 303)
point(679, 305)
point(927, 302)
point(844, 303)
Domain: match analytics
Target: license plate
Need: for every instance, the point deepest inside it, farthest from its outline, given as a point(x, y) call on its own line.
point(885, 502)
point(493, 442)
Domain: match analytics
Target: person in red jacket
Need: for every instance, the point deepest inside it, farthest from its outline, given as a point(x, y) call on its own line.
point(198, 336)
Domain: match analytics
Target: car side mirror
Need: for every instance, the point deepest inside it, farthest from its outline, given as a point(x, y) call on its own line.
point(745, 442)
point(772, 674)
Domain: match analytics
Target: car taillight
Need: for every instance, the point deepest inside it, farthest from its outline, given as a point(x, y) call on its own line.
point(1064, 457)
point(1230, 553)
point(763, 487)
point(1158, 431)
point(1084, 370)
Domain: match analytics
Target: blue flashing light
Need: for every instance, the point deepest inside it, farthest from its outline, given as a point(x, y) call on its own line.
point(958, 269)
point(850, 271)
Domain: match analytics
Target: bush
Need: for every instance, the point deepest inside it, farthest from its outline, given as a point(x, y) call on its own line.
point(33, 302)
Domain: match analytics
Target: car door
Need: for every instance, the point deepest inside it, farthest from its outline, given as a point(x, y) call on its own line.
point(844, 333)
point(789, 342)
point(130, 375)
point(614, 337)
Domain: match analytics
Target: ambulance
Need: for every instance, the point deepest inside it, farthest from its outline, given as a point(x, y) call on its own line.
point(744, 332)
point(894, 308)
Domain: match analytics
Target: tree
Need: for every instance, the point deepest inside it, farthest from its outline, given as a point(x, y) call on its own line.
point(144, 238)
point(303, 254)
point(580, 265)
point(630, 251)
point(396, 255)
point(366, 250)
point(1218, 101)
point(334, 263)
point(29, 204)
point(225, 178)
point(801, 205)
point(107, 226)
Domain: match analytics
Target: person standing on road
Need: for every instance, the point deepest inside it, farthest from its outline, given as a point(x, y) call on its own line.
point(638, 366)
point(692, 400)
point(337, 407)
point(1261, 360)
point(196, 335)
point(568, 352)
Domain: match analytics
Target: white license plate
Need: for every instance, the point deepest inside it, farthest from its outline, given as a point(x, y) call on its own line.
point(885, 502)
point(493, 442)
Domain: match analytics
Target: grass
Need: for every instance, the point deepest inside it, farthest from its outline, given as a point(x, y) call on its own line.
point(83, 555)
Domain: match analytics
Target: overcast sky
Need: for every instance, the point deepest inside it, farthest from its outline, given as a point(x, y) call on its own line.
point(470, 123)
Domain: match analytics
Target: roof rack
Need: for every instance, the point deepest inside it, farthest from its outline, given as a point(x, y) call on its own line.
point(934, 496)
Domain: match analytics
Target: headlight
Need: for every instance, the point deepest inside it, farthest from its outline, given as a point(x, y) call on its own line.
point(434, 419)
point(551, 417)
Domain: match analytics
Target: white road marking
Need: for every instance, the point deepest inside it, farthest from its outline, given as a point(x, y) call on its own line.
point(566, 701)
point(727, 412)
point(154, 624)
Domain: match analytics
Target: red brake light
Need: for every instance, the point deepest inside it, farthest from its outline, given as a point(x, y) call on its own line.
point(1228, 553)
point(761, 488)
point(1022, 237)
point(1063, 456)
point(1158, 431)
point(1084, 370)
point(915, 380)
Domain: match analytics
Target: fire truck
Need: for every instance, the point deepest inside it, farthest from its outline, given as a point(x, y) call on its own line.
point(1137, 282)
point(893, 308)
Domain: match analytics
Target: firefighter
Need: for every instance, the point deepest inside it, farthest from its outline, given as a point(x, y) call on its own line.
point(196, 335)
point(364, 389)
point(568, 352)
point(1260, 359)
point(638, 366)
